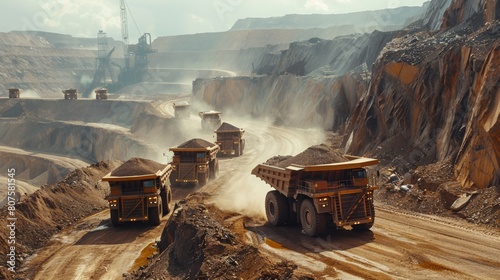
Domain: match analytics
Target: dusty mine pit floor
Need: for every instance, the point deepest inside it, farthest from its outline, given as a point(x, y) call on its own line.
point(66, 233)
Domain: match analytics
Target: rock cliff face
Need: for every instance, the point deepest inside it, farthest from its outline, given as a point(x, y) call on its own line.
point(440, 94)
point(289, 100)
point(327, 57)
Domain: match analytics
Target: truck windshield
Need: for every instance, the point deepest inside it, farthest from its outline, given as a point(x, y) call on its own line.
point(360, 173)
point(149, 183)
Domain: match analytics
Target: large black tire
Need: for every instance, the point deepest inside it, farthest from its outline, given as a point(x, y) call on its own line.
point(312, 223)
point(242, 146)
point(202, 178)
point(114, 217)
point(155, 213)
point(214, 169)
point(276, 208)
point(237, 152)
point(166, 197)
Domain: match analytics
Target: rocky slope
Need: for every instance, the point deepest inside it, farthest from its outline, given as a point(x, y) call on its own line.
point(439, 92)
point(53, 208)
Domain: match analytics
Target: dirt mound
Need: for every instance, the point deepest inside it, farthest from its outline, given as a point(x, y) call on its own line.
point(198, 243)
point(54, 207)
point(138, 166)
point(196, 143)
point(227, 127)
point(319, 154)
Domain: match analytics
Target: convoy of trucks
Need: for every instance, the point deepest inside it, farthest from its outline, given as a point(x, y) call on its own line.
point(316, 195)
point(230, 140)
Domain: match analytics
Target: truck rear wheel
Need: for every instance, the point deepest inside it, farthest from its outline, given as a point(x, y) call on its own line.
point(312, 222)
point(276, 208)
point(155, 213)
point(114, 217)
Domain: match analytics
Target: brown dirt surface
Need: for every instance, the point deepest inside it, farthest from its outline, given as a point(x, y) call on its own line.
point(196, 143)
point(138, 166)
point(202, 242)
point(319, 154)
point(53, 208)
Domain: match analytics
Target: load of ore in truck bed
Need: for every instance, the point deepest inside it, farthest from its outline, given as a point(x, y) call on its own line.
point(137, 167)
point(319, 154)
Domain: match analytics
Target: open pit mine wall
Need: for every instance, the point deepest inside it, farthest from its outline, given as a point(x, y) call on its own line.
point(327, 57)
point(441, 94)
point(324, 102)
point(42, 63)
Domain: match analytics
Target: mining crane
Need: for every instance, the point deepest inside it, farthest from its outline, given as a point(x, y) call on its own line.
point(133, 73)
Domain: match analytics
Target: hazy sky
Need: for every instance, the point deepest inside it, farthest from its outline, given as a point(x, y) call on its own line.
point(164, 17)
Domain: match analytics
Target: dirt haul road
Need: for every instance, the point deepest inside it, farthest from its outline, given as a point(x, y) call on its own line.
point(399, 246)
point(93, 249)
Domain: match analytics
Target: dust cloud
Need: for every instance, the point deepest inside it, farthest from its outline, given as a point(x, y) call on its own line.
point(242, 192)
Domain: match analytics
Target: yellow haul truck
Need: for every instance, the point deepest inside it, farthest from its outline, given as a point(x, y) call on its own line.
point(139, 191)
point(194, 162)
point(14, 93)
point(101, 93)
point(71, 93)
point(182, 109)
point(210, 120)
point(230, 139)
point(318, 194)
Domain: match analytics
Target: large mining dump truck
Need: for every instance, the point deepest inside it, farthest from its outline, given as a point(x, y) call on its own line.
point(101, 93)
point(182, 109)
point(194, 162)
point(139, 191)
point(317, 195)
point(14, 93)
point(210, 120)
point(71, 93)
point(230, 140)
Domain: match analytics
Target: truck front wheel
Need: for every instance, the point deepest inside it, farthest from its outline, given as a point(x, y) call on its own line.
point(166, 196)
point(276, 208)
point(202, 178)
point(312, 222)
point(155, 213)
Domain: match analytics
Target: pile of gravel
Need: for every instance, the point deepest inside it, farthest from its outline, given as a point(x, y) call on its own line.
point(137, 167)
point(319, 154)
